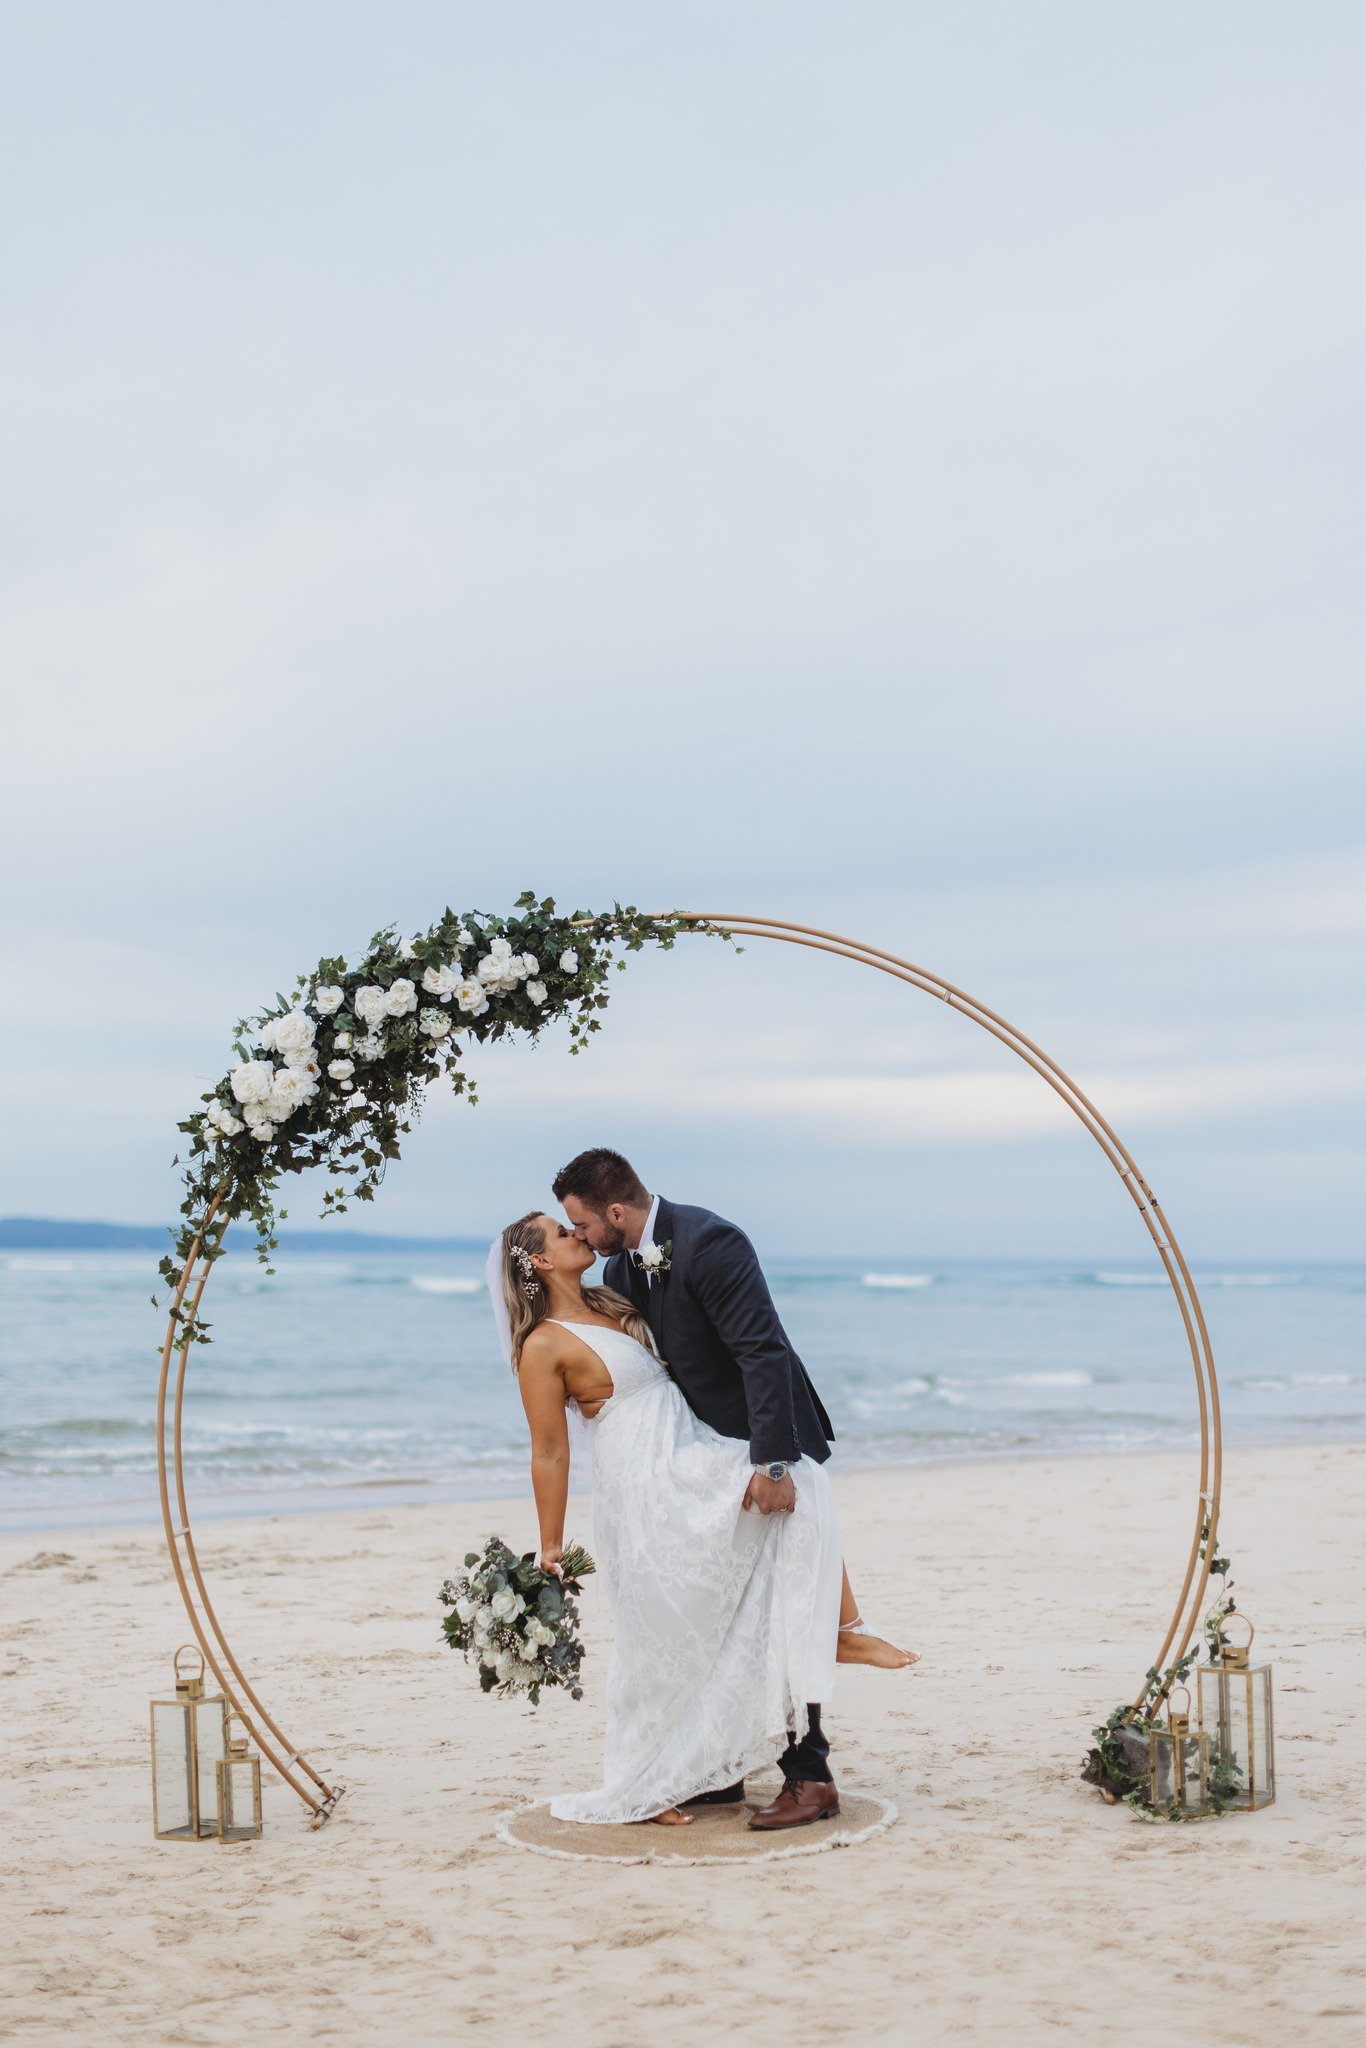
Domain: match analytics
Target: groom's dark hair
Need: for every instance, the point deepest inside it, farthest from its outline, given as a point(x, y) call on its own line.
point(600, 1177)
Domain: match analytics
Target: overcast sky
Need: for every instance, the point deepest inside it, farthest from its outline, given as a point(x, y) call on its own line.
point(893, 466)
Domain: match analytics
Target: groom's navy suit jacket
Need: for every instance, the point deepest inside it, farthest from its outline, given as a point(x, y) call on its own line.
point(719, 1335)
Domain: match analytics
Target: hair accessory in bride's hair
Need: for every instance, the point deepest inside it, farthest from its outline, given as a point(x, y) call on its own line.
point(528, 1271)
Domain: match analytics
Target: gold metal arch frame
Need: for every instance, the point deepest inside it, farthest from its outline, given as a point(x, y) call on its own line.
point(317, 1794)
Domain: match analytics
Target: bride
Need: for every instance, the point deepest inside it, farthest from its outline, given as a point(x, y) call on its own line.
point(727, 1620)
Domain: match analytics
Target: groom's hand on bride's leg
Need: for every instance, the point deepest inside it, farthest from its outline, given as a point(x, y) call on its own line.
point(771, 1496)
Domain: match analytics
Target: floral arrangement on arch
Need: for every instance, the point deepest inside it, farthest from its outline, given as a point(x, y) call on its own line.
point(333, 1074)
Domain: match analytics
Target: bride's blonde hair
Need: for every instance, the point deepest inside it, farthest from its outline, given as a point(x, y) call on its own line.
point(527, 1298)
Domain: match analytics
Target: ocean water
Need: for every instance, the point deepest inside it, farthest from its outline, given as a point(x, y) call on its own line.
point(354, 1379)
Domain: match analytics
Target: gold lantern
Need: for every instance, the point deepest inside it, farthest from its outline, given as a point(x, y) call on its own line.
point(239, 1790)
point(189, 1734)
point(1235, 1712)
point(1178, 1762)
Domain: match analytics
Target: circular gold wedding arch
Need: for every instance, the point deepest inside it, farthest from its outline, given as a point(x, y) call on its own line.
point(321, 1797)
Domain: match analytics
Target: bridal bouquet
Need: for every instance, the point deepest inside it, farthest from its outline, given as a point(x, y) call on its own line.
point(521, 1623)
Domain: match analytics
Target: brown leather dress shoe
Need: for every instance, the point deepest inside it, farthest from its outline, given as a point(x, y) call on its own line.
point(801, 1801)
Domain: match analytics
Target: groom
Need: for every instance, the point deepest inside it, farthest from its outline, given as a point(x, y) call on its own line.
point(696, 1280)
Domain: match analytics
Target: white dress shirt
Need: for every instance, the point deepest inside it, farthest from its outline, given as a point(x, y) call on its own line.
point(647, 1235)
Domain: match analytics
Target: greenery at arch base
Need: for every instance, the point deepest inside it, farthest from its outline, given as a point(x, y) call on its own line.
point(333, 1074)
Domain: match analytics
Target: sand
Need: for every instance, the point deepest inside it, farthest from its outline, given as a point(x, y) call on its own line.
point(1007, 1905)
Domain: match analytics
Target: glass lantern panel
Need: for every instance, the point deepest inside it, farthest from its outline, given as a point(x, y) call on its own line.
point(211, 1733)
point(1161, 1770)
point(239, 1785)
point(173, 1788)
point(1193, 1791)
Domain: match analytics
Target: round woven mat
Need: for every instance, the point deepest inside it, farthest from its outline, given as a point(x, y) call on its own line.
point(719, 1834)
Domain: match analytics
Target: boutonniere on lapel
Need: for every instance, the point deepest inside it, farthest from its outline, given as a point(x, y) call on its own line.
point(654, 1260)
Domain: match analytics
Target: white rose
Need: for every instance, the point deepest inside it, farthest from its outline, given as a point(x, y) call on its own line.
point(370, 1003)
point(341, 1070)
point(471, 998)
point(504, 1604)
point(484, 1617)
point(265, 1037)
point(290, 1090)
point(401, 999)
point(250, 1080)
point(263, 1133)
point(569, 963)
point(434, 1022)
point(502, 948)
point(529, 1651)
point(294, 1033)
point(464, 1607)
point(500, 971)
point(529, 963)
point(341, 1040)
point(463, 938)
point(371, 1047)
point(438, 981)
point(406, 951)
point(537, 991)
point(503, 1664)
point(304, 1063)
point(328, 999)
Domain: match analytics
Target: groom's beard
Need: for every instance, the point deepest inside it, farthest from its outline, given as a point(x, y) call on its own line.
point(614, 1240)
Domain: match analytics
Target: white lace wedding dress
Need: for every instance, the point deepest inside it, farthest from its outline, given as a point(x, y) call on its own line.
point(726, 1620)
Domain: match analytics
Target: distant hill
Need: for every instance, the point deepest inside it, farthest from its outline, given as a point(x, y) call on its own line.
point(49, 1234)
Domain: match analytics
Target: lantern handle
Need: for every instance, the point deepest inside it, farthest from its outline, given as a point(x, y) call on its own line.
point(234, 1744)
point(194, 1651)
point(1236, 1614)
point(1171, 1702)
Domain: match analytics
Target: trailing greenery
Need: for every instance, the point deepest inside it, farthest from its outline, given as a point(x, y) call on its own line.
point(1117, 1763)
point(333, 1074)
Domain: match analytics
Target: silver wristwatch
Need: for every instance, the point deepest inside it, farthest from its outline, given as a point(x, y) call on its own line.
point(775, 1471)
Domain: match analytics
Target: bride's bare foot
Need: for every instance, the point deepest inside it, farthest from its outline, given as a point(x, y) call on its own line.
point(856, 1646)
point(670, 1818)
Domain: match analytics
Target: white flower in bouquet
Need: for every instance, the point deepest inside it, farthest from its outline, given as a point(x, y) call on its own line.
point(436, 1023)
point(506, 1604)
point(401, 999)
point(341, 1041)
point(530, 964)
point(472, 998)
point(407, 951)
point(328, 999)
point(438, 981)
point(503, 1664)
point(294, 1033)
point(530, 1650)
point(537, 992)
point(305, 1063)
point(464, 1607)
point(371, 1003)
point(484, 1618)
point(250, 1080)
point(341, 1070)
point(222, 1118)
point(265, 1037)
point(263, 1132)
point(371, 1046)
point(464, 937)
point(569, 962)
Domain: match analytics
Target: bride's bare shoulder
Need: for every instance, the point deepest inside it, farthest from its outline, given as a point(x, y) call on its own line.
point(543, 1345)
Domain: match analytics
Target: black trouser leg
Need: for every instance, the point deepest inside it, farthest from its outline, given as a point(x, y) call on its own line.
point(808, 1758)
